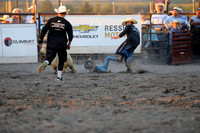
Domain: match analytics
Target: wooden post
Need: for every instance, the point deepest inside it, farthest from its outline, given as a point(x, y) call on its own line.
point(193, 1)
point(113, 3)
point(16, 3)
point(27, 4)
point(199, 3)
point(58, 3)
point(9, 6)
point(34, 9)
point(152, 6)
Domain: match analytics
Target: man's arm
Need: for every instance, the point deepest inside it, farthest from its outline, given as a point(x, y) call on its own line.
point(167, 22)
point(92, 70)
point(43, 32)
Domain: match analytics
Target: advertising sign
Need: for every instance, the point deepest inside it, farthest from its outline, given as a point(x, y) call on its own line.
point(92, 33)
point(18, 43)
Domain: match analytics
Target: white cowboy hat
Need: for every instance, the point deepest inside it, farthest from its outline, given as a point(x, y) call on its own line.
point(17, 9)
point(61, 9)
point(31, 7)
point(160, 4)
point(178, 9)
point(129, 19)
point(175, 21)
point(6, 17)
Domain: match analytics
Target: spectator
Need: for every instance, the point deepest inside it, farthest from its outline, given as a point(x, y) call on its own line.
point(176, 26)
point(195, 30)
point(144, 20)
point(29, 18)
point(60, 35)
point(6, 19)
point(149, 35)
point(179, 13)
point(166, 4)
point(158, 18)
point(196, 18)
point(127, 48)
point(17, 18)
point(171, 18)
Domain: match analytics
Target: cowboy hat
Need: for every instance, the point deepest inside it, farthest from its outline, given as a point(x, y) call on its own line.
point(31, 7)
point(17, 9)
point(160, 4)
point(178, 9)
point(6, 17)
point(175, 21)
point(129, 19)
point(61, 9)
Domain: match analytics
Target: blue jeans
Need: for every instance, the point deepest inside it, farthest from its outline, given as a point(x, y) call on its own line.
point(169, 55)
point(104, 67)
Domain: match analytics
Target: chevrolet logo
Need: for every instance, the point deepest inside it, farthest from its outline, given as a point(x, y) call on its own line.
point(85, 28)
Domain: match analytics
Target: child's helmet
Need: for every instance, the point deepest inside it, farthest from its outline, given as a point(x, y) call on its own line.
point(88, 64)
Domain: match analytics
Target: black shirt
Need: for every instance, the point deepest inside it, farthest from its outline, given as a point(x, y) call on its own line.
point(133, 35)
point(58, 28)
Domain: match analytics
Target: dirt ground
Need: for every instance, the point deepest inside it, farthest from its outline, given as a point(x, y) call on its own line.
point(164, 99)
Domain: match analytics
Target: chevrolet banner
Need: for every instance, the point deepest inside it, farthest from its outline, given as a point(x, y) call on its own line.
point(92, 33)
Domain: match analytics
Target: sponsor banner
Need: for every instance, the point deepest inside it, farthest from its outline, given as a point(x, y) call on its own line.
point(94, 32)
point(18, 41)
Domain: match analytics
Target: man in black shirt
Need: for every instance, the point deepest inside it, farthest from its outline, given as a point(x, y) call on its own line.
point(57, 41)
point(127, 48)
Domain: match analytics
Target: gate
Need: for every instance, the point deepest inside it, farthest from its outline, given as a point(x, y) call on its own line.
point(181, 47)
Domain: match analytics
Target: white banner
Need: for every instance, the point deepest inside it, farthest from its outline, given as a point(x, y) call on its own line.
point(18, 43)
point(92, 33)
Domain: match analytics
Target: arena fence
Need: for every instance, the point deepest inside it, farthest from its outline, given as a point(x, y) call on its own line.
point(147, 53)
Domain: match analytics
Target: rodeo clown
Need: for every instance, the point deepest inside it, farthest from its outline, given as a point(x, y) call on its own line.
point(127, 48)
point(57, 40)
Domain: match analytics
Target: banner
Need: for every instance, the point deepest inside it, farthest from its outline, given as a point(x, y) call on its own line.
point(18, 43)
point(92, 33)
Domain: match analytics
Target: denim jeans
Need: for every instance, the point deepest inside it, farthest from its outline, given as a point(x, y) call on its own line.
point(169, 55)
point(104, 67)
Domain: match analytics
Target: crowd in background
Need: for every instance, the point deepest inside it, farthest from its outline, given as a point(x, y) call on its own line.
point(160, 21)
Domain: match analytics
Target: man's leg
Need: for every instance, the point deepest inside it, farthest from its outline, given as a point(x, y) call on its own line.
point(156, 50)
point(169, 55)
point(62, 56)
point(50, 55)
point(104, 67)
point(128, 60)
point(129, 64)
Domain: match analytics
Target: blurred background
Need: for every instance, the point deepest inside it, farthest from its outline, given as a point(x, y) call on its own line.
point(96, 6)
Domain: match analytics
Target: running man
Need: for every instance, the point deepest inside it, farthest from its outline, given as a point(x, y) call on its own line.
point(57, 41)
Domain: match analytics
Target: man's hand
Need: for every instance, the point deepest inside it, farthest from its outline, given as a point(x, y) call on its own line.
point(115, 37)
point(40, 45)
point(69, 45)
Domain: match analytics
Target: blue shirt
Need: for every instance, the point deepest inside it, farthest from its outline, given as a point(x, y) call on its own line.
point(171, 19)
point(158, 19)
point(29, 19)
point(196, 19)
point(183, 17)
point(170, 35)
point(147, 38)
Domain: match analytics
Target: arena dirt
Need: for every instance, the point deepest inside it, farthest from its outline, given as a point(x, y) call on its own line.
point(154, 98)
